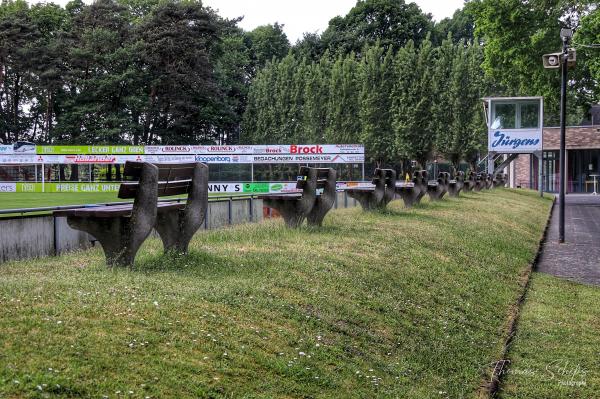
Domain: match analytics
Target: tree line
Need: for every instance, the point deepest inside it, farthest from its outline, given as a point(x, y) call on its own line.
point(405, 105)
point(126, 71)
point(385, 74)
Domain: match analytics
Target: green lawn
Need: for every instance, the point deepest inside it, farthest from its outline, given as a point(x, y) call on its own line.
point(402, 303)
point(556, 352)
point(39, 200)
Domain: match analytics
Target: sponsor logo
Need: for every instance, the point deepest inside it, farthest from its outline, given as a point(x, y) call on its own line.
point(306, 149)
point(6, 149)
point(90, 159)
point(213, 159)
point(178, 148)
point(276, 187)
point(503, 140)
point(8, 187)
point(273, 150)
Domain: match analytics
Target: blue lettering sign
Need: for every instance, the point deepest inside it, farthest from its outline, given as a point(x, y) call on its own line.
point(503, 140)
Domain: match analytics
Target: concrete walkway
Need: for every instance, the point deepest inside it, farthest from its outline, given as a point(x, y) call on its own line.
point(578, 259)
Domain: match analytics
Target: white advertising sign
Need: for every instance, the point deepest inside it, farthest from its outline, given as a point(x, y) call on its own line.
point(324, 158)
point(8, 187)
point(514, 141)
point(18, 159)
point(258, 149)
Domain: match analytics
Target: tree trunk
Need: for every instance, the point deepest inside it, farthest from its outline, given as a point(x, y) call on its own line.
point(74, 173)
point(109, 172)
point(118, 172)
point(61, 173)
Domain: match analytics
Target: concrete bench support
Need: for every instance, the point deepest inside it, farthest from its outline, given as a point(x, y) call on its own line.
point(176, 227)
point(122, 236)
point(456, 185)
point(326, 180)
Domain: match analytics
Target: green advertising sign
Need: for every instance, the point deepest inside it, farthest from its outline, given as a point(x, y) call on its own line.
point(102, 187)
point(89, 149)
point(108, 187)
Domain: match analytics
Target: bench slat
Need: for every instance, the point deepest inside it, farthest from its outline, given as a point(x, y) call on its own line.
point(165, 189)
point(114, 210)
point(166, 171)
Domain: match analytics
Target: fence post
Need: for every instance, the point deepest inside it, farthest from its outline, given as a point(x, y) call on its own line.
point(251, 210)
point(230, 210)
point(56, 237)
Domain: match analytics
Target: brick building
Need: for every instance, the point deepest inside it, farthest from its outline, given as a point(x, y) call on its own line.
point(582, 161)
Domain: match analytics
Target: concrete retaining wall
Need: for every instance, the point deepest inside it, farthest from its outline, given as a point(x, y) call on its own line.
point(37, 236)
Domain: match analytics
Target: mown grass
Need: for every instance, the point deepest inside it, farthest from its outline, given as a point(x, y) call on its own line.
point(41, 200)
point(401, 303)
point(556, 352)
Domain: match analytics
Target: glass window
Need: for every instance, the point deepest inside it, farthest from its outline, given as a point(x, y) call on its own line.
point(530, 113)
point(504, 116)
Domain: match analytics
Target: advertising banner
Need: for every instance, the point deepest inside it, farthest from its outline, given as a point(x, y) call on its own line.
point(18, 159)
point(6, 150)
point(324, 158)
point(515, 141)
point(113, 187)
point(90, 149)
point(8, 187)
point(265, 154)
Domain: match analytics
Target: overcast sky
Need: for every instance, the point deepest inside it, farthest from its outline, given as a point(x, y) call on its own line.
point(302, 16)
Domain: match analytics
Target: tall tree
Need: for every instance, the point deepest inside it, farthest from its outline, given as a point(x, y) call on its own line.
point(391, 22)
point(343, 124)
point(412, 102)
point(516, 33)
point(266, 43)
point(375, 104)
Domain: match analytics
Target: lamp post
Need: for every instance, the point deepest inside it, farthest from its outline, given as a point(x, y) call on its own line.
point(562, 60)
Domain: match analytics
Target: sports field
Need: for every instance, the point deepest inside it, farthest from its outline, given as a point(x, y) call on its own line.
point(38, 200)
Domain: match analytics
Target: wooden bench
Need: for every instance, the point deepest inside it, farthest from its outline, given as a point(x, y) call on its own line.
point(456, 185)
point(122, 229)
point(295, 207)
point(438, 188)
point(412, 192)
point(378, 196)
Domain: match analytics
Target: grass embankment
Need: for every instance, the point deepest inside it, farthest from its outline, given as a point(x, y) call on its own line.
point(402, 303)
point(556, 352)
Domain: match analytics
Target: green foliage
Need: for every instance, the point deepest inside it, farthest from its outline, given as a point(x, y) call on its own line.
point(375, 104)
point(266, 43)
point(121, 71)
point(343, 123)
point(391, 22)
point(402, 107)
point(516, 34)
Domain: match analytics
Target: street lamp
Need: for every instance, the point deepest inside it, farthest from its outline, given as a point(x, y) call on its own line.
point(565, 59)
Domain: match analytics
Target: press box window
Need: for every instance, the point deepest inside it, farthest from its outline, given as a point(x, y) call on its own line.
point(520, 115)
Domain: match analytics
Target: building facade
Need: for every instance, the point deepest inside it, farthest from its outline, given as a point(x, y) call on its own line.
point(582, 161)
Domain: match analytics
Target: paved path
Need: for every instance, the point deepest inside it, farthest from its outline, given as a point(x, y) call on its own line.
point(578, 258)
